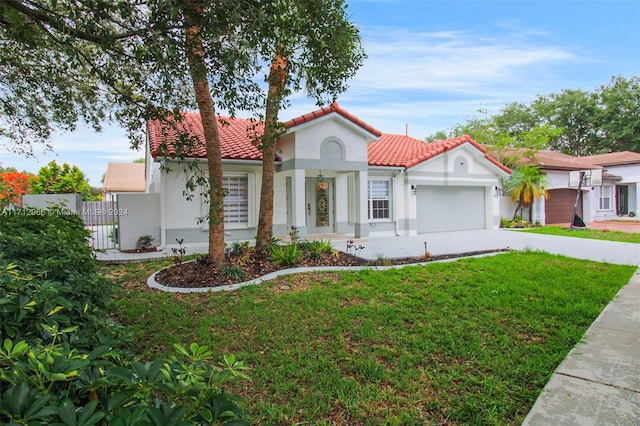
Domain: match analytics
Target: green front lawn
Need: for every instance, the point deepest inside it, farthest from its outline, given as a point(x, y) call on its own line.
point(471, 341)
point(623, 237)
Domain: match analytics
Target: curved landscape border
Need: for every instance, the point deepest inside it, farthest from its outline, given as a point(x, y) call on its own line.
point(151, 281)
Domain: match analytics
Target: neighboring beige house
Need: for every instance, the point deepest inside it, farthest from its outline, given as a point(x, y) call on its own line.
point(124, 178)
point(335, 174)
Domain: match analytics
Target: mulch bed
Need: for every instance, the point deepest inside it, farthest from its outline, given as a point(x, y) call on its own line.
point(200, 274)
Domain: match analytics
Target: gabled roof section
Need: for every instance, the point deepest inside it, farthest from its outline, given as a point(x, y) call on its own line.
point(405, 151)
point(124, 177)
point(614, 158)
point(237, 137)
point(331, 109)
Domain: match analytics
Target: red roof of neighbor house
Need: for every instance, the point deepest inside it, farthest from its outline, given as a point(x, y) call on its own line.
point(333, 108)
point(237, 137)
point(559, 161)
point(614, 158)
point(405, 151)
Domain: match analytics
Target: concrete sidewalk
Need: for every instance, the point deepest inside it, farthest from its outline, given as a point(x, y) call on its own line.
point(598, 383)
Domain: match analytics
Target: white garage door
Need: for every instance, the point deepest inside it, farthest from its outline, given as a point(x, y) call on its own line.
point(450, 208)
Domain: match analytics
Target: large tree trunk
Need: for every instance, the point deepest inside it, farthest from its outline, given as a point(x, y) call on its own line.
point(277, 83)
point(198, 70)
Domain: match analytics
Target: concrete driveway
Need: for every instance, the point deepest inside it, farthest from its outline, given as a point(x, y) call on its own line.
point(469, 241)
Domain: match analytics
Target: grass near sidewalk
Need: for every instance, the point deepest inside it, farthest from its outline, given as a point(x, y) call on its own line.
point(623, 237)
point(466, 342)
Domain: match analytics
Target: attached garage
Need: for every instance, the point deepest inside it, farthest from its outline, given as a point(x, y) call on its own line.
point(558, 208)
point(450, 208)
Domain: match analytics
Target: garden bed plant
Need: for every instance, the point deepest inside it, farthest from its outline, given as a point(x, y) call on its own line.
point(245, 263)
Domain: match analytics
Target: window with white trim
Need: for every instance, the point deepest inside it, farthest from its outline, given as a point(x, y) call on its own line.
point(236, 200)
point(604, 197)
point(379, 199)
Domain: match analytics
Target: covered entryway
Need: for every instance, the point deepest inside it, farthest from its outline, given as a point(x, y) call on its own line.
point(558, 208)
point(450, 208)
point(320, 203)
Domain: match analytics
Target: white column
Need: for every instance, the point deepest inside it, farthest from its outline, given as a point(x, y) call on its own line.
point(298, 201)
point(361, 216)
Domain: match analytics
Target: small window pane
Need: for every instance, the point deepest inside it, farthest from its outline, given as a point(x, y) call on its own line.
point(379, 199)
point(605, 198)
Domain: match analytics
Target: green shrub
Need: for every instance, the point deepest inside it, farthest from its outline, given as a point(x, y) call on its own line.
point(517, 223)
point(232, 272)
point(144, 242)
point(285, 255)
point(238, 248)
point(63, 360)
point(316, 249)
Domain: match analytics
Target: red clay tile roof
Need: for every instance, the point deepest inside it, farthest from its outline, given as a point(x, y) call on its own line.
point(124, 177)
point(236, 137)
point(405, 151)
point(333, 108)
point(237, 141)
point(614, 158)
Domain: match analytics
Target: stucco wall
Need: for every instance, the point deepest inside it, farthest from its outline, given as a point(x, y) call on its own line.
point(308, 140)
point(180, 217)
point(140, 215)
point(68, 202)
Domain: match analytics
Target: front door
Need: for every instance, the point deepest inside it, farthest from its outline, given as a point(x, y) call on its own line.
point(622, 200)
point(319, 200)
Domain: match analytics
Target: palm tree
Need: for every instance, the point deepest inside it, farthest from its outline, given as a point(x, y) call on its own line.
point(526, 185)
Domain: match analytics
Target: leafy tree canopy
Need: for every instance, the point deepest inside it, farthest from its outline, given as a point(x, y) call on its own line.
point(575, 122)
point(65, 179)
point(13, 185)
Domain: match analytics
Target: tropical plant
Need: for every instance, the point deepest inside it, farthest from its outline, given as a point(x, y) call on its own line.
point(232, 272)
point(238, 248)
point(144, 242)
point(285, 255)
point(526, 185)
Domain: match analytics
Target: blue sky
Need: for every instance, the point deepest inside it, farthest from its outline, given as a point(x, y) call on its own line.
point(433, 64)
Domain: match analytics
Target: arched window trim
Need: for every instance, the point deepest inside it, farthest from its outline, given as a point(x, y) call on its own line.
point(325, 146)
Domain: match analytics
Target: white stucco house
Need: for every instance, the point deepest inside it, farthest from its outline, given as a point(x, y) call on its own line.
point(619, 195)
point(611, 190)
point(563, 190)
point(335, 174)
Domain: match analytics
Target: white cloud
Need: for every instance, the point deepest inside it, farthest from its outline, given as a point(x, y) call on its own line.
point(435, 80)
point(455, 61)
